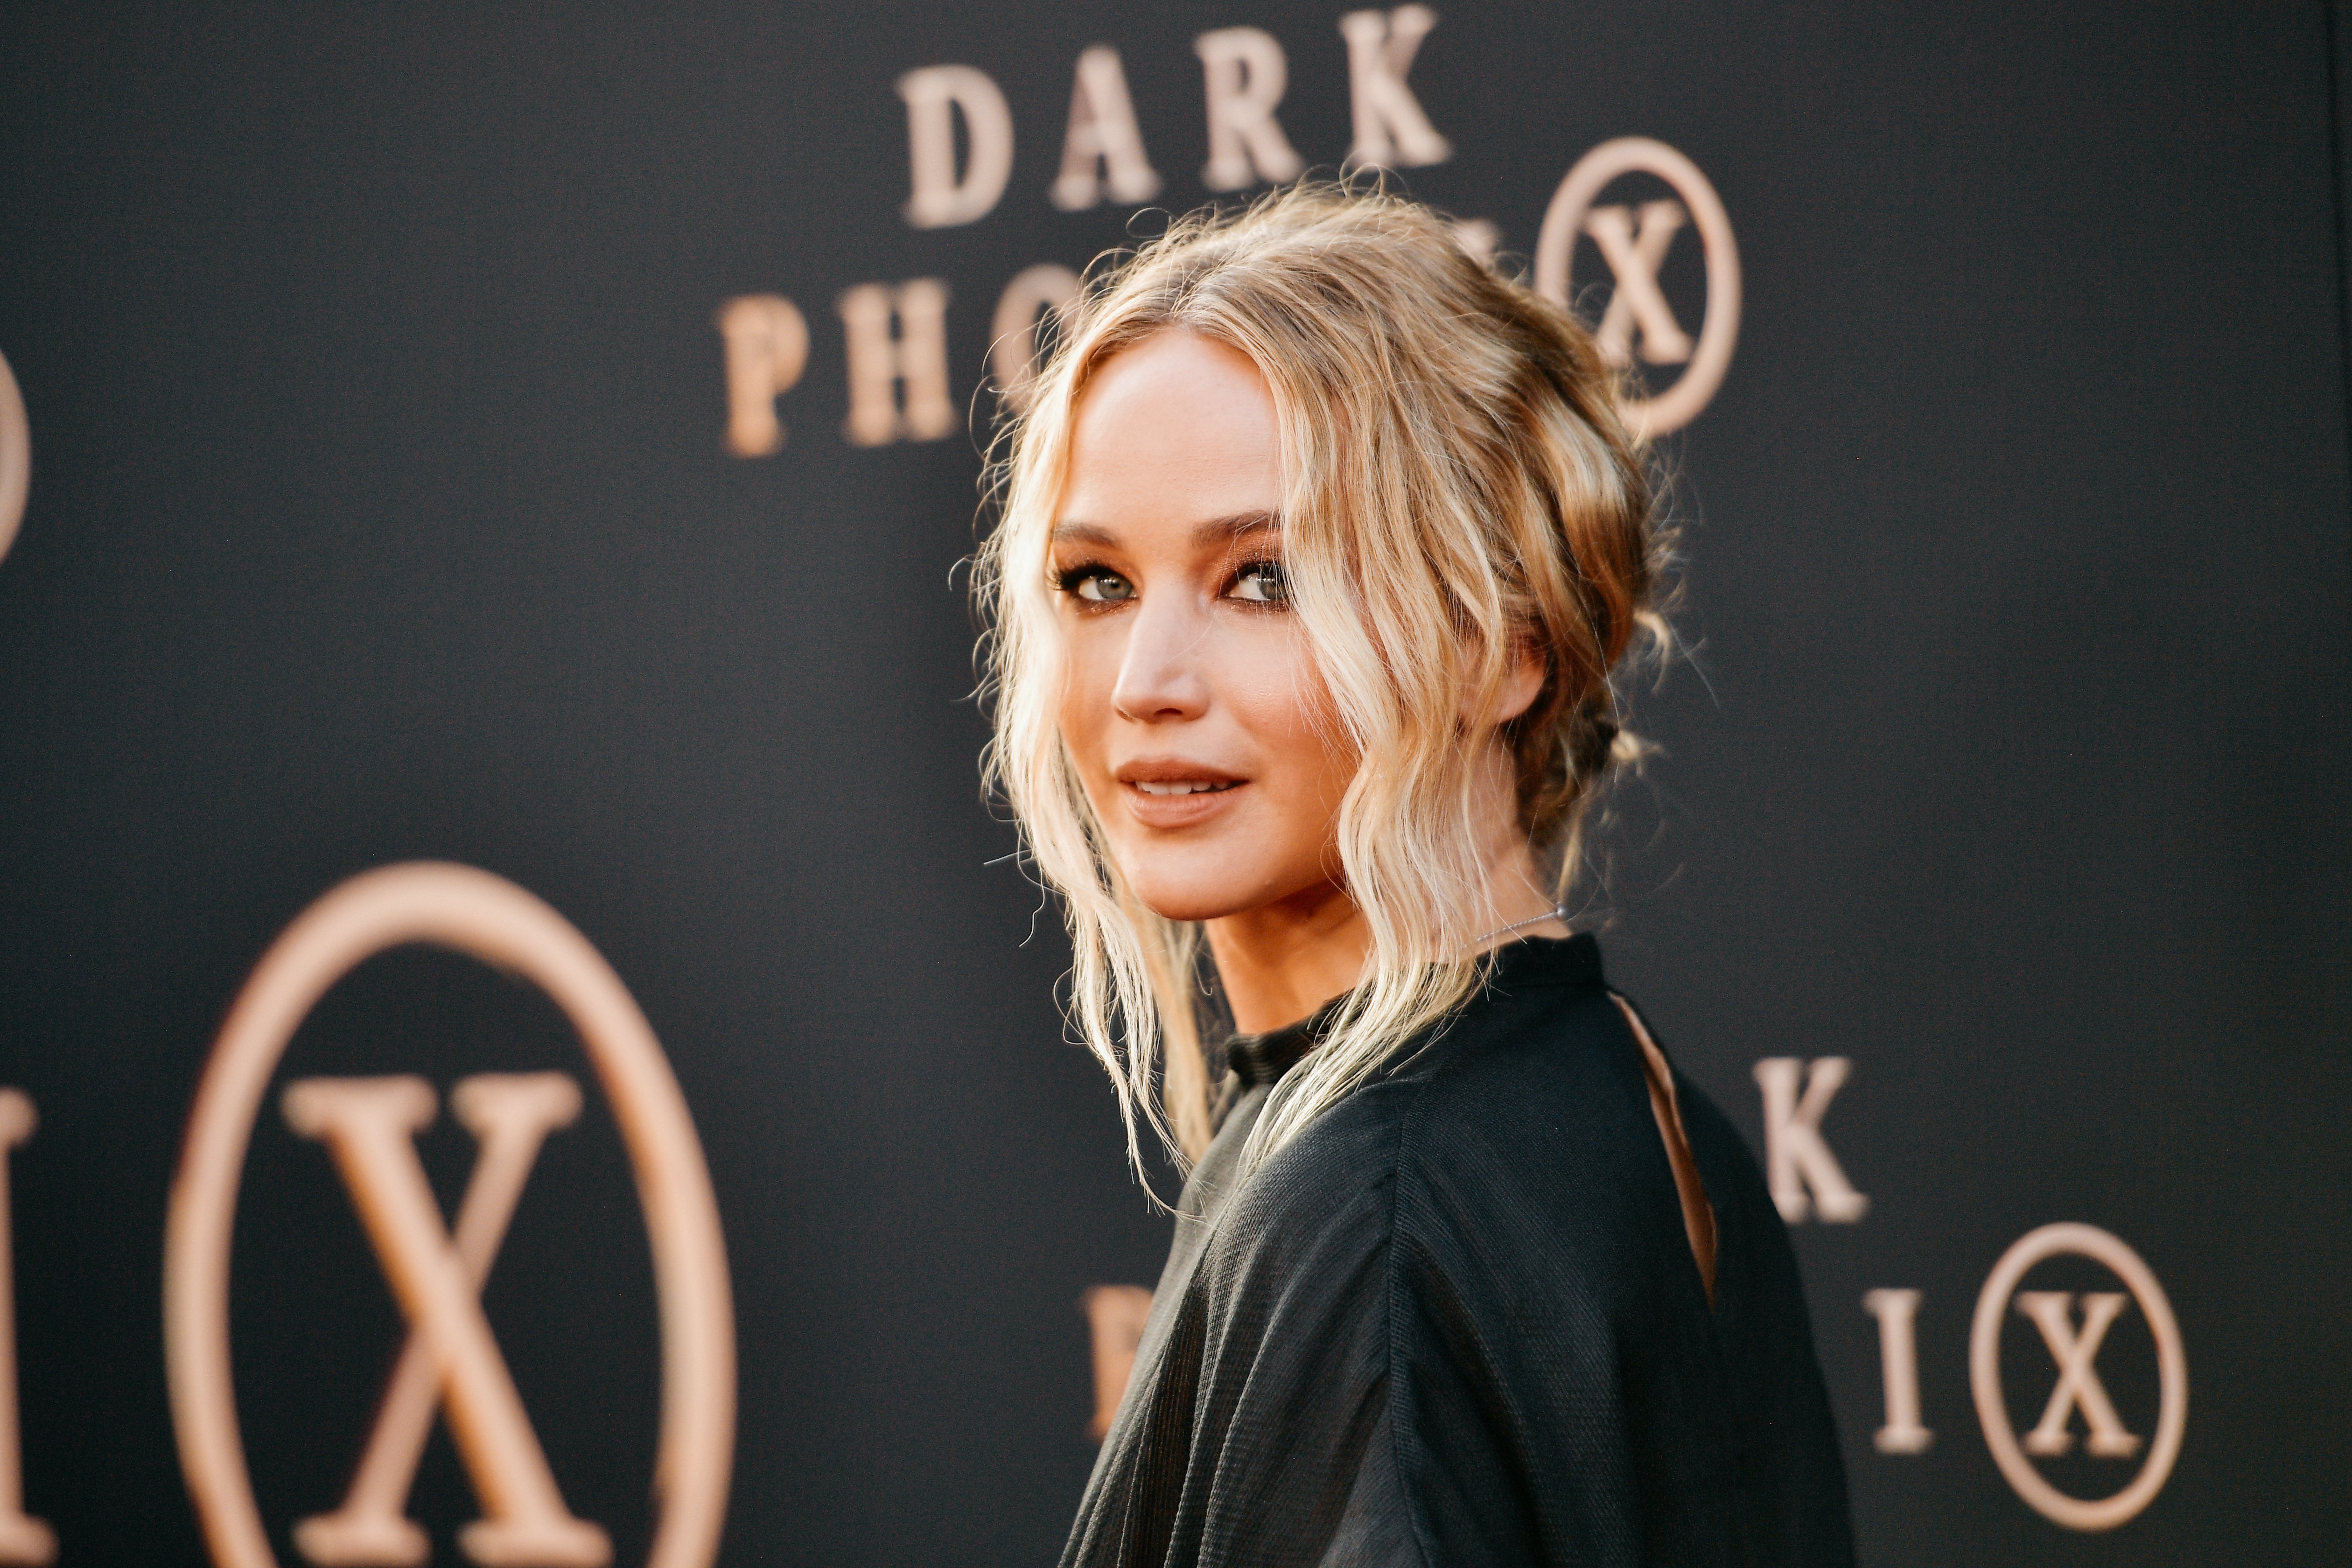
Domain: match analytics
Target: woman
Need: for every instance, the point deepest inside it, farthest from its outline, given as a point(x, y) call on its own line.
point(1320, 543)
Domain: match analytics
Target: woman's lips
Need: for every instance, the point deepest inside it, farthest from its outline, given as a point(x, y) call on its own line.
point(1178, 803)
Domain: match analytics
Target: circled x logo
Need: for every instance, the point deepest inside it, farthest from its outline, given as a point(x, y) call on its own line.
point(2073, 1329)
point(1633, 241)
point(451, 1362)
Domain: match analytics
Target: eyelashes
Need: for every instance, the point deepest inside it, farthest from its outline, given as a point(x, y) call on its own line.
point(1261, 581)
point(1095, 584)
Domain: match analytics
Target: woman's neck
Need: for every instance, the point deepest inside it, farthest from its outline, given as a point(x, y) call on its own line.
point(1280, 962)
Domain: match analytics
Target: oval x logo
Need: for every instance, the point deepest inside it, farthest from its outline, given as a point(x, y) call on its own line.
point(1633, 242)
point(451, 1362)
point(2073, 1336)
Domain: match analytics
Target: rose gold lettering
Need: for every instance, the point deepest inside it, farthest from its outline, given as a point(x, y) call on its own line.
point(881, 362)
point(1479, 239)
point(1247, 73)
point(1392, 130)
point(1013, 348)
point(1103, 149)
point(1796, 1158)
point(1898, 1370)
point(1116, 1315)
point(2052, 1312)
point(767, 347)
point(368, 1124)
point(24, 1539)
point(511, 1116)
point(1634, 244)
point(941, 198)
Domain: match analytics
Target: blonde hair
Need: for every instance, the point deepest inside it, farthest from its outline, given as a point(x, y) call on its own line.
point(1457, 490)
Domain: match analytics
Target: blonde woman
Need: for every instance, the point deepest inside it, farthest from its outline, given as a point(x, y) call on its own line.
point(1320, 543)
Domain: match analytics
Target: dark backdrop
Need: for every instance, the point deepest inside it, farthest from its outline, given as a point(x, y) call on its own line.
point(380, 511)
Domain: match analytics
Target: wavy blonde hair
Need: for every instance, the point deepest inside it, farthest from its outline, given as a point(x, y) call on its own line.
point(1457, 490)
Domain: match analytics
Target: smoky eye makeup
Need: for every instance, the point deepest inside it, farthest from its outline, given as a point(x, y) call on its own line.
point(1260, 583)
point(1091, 583)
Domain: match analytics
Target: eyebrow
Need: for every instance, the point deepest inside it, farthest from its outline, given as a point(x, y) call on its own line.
point(1215, 531)
point(1229, 530)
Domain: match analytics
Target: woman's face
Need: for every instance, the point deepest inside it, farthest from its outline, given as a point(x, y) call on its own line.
point(1191, 707)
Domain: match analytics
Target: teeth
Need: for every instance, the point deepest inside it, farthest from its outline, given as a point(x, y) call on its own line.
point(1187, 786)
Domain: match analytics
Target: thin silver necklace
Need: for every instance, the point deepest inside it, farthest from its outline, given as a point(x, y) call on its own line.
point(1558, 912)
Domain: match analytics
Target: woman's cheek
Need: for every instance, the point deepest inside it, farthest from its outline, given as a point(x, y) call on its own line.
point(1278, 695)
point(1084, 712)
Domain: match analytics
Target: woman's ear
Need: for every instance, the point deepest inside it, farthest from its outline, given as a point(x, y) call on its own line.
point(1521, 687)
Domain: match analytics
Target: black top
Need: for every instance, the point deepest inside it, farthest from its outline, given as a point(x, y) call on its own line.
point(1457, 1323)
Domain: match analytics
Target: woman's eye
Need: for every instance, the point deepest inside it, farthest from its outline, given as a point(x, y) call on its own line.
point(1099, 587)
point(1262, 583)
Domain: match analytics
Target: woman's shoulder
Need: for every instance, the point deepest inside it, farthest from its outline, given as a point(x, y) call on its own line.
point(1526, 1116)
point(1540, 1065)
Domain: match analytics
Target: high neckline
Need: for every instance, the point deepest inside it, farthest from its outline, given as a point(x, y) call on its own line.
point(1572, 962)
point(1261, 1060)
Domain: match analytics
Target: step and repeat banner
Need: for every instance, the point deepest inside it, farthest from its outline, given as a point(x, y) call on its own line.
point(522, 1042)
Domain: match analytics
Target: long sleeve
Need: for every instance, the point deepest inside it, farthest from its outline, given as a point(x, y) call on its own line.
point(1458, 1322)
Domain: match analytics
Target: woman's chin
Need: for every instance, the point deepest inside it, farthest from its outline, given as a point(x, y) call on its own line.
point(1189, 906)
point(1191, 894)
point(1186, 893)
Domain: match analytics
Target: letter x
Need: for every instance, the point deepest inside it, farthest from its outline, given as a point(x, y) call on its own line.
point(1635, 244)
point(2053, 1312)
point(451, 1359)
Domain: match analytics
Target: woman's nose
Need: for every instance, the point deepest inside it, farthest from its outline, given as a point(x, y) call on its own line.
point(1160, 673)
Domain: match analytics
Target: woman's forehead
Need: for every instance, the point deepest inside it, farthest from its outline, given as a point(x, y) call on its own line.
point(1176, 429)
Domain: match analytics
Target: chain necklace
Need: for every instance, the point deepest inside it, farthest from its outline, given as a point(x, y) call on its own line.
point(1558, 912)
